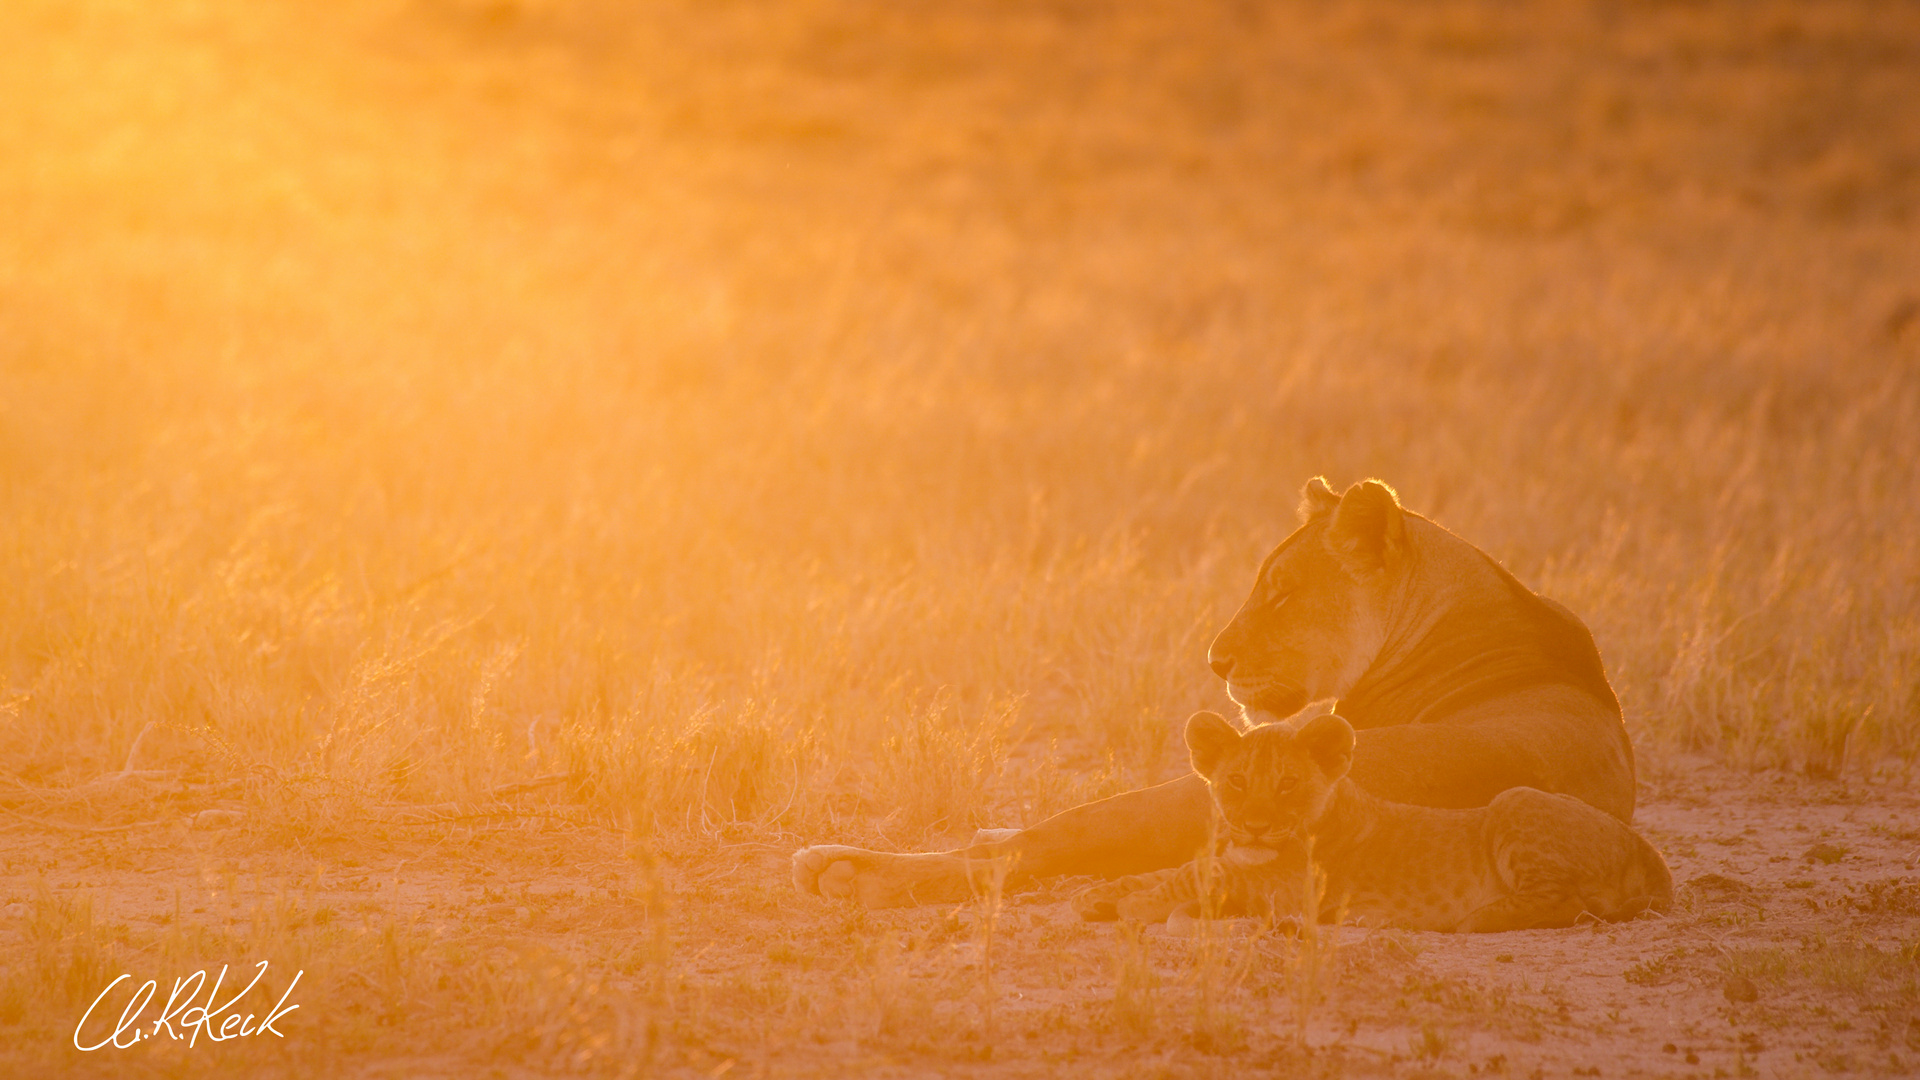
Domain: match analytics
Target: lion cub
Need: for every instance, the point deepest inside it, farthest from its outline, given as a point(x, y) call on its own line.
point(1528, 860)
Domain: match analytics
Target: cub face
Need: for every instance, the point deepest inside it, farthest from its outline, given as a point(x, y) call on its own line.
point(1317, 614)
point(1274, 780)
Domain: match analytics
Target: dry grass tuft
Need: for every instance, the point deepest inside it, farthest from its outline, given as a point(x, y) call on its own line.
point(845, 420)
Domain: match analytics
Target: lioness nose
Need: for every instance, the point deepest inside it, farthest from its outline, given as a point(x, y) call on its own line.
point(1221, 665)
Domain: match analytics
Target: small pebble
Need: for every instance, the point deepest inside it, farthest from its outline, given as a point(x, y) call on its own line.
point(1825, 853)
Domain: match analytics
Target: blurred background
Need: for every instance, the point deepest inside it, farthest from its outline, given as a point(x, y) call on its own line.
point(854, 415)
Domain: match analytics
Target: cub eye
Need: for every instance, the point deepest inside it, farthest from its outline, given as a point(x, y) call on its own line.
point(1286, 784)
point(1237, 782)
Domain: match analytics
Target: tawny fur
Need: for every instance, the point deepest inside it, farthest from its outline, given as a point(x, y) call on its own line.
point(1528, 860)
point(1461, 681)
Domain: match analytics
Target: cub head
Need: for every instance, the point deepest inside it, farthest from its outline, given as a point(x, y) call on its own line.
point(1274, 780)
point(1317, 615)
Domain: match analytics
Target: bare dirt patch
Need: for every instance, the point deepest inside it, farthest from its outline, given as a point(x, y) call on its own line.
point(535, 945)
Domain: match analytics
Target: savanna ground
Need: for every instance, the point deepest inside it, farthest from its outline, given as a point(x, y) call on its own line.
point(480, 483)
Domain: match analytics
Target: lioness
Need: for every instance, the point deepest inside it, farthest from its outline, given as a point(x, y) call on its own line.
point(1528, 860)
point(1460, 682)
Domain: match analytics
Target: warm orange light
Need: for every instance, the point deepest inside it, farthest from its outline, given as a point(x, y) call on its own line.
point(481, 480)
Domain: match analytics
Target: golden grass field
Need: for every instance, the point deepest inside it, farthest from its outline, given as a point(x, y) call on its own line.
point(481, 482)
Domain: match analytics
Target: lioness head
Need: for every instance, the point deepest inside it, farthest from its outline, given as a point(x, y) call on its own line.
point(1273, 780)
point(1317, 615)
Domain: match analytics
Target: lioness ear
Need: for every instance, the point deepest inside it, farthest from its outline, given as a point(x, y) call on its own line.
point(1209, 738)
point(1328, 740)
point(1317, 499)
point(1368, 529)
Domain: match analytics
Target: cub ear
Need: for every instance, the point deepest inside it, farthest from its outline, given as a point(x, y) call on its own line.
point(1328, 740)
point(1317, 499)
point(1369, 529)
point(1209, 739)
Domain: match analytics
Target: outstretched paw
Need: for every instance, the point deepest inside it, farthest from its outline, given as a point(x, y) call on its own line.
point(875, 879)
point(828, 870)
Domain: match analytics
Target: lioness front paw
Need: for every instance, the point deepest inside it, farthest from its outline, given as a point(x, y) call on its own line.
point(875, 879)
point(827, 870)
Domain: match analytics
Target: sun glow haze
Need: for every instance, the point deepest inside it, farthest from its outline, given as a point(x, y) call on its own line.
point(855, 418)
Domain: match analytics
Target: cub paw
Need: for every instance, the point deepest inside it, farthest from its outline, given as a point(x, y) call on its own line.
point(1184, 924)
point(1154, 906)
point(1101, 903)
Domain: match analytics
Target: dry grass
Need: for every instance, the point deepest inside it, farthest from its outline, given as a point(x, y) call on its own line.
point(850, 420)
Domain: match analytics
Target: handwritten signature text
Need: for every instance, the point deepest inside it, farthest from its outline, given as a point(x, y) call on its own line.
point(185, 1016)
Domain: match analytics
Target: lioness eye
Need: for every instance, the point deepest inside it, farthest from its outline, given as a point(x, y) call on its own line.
point(1237, 782)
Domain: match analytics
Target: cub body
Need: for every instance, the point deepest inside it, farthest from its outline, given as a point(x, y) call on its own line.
point(1528, 860)
point(1244, 881)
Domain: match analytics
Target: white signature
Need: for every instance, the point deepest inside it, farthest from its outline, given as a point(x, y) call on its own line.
point(218, 1022)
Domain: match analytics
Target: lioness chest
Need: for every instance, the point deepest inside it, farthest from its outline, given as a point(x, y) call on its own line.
point(1420, 870)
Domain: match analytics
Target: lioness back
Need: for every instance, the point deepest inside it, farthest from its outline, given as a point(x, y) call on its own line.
point(1463, 681)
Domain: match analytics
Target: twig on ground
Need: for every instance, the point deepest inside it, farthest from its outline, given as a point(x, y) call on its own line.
point(449, 813)
point(525, 786)
point(133, 752)
point(64, 827)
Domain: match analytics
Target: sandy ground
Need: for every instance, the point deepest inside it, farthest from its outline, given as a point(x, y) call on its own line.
point(531, 944)
point(384, 383)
